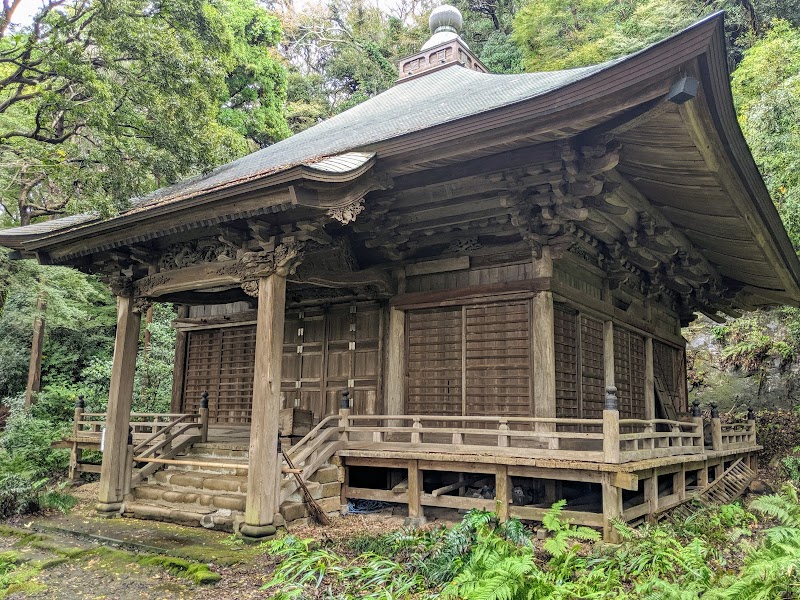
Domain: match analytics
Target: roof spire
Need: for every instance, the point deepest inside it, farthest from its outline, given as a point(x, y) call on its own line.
point(445, 23)
point(444, 48)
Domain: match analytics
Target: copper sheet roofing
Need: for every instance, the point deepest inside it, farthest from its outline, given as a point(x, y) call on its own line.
point(439, 97)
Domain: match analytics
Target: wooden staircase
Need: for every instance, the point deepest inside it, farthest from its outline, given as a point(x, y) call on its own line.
point(205, 484)
point(723, 490)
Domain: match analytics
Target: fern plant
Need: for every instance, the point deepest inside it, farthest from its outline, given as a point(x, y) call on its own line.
point(562, 533)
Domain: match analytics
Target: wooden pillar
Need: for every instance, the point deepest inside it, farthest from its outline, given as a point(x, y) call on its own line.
point(612, 508)
point(395, 363)
point(679, 482)
point(262, 503)
point(179, 368)
point(608, 353)
point(544, 349)
point(416, 517)
point(611, 449)
point(120, 397)
point(502, 491)
point(35, 364)
point(716, 428)
point(651, 495)
point(649, 381)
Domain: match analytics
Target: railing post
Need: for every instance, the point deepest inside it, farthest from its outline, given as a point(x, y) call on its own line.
point(650, 442)
point(502, 436)
point(127, 475)
point(76, 452)
point(344, 415)
point(203, 417)
point(697, 419)
point(676, 440)
point(611, 426)
point(416, 436)
point(716, 428)
point(751, 425)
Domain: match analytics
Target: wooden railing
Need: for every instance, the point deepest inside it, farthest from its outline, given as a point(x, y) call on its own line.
point(655, 438)
point(152, 435)
point(542, 436)
point(610, 439)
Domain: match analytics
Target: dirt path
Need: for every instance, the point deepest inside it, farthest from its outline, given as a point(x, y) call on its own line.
point(80, 556)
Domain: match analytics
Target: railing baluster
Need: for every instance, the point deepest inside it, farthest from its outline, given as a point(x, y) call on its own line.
point(502, 438)
point(344, 415)
point(611, 444)
point(416, 435)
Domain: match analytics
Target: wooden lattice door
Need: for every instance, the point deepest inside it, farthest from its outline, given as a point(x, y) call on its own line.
point(220, 362)
point(328, 350)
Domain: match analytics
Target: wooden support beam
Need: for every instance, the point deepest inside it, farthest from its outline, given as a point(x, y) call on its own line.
point(120, 397)
point(544, 347)
point(651, 495)
point(264, 468)
point(395, 363)
point(179, 366)
point(415, 515)
point(502, 492)
point(649, 381)
point(626, 481)
point(612, 508)
point(608, 352)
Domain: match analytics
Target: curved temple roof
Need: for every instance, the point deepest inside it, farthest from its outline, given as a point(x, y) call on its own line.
point(451, 104)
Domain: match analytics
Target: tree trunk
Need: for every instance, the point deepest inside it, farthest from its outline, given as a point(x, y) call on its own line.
point(35, 365)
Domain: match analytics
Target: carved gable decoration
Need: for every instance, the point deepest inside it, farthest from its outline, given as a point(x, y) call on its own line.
point(194, 252)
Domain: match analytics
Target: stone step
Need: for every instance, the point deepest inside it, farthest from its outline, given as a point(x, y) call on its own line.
point(188, 480)
point(213, 501)
point(194, 516)
point(326, 474)
point(208, 470)
point(215, 452)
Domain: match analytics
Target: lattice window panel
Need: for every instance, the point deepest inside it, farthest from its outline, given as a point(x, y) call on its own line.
point(629, 373)
point(434, 351)
point(498, 359)
point(566, 345)
point(592, 368)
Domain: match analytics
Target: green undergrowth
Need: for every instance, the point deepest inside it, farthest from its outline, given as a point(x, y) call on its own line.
point(730, 552)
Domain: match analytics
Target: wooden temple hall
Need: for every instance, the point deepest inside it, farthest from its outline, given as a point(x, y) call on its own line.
point(467, 291)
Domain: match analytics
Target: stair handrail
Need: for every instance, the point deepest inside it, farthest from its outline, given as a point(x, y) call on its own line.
point(293, 451)
point(164, 430)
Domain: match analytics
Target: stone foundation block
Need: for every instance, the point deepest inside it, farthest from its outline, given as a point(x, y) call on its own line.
point(332, 489)
point(229, 502)
point(224, 484)
point(329, 505)
point(292, 511)
point(326, 475)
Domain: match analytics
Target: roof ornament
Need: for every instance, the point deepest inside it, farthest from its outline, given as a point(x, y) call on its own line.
point(446, 23)
point(444, 48)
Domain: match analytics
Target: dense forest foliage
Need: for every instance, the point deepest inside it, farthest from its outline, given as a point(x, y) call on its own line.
point(105, 100)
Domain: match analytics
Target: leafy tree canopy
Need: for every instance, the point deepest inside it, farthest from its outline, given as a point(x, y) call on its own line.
point(103, 100)
point(766, 88)
point(559, 34)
